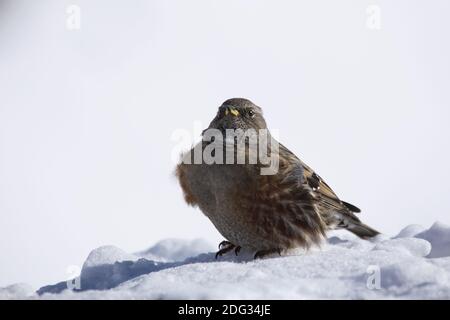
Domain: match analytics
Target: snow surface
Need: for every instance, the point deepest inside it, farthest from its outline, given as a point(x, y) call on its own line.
point(415, 264)
point(16, 291)
point(175, 250)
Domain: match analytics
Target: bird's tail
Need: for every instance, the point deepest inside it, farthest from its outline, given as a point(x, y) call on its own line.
point(362, 230)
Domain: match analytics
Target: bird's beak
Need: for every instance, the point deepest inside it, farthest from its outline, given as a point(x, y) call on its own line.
point(233, 111)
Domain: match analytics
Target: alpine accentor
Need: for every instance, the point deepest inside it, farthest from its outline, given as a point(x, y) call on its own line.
point(267, 213)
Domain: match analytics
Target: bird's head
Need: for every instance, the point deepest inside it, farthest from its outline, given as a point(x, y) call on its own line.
point(238, 113)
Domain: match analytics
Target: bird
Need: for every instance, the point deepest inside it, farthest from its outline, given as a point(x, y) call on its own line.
point(265, 213)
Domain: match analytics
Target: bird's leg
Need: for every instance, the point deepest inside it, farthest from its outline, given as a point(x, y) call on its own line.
point(224, 247)
point(262, 253)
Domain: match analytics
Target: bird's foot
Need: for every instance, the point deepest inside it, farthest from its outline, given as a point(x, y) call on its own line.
point(224, 244)
point(224, 247)
point(262, 253)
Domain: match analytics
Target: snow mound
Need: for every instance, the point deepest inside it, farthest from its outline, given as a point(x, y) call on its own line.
point(107, 255)
point(175, 250)
point(415, 247)
point(16, 291)
point(439, 236)
point(413, 265)
point(410, 231)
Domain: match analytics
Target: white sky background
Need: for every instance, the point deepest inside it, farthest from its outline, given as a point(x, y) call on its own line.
point(86, 116)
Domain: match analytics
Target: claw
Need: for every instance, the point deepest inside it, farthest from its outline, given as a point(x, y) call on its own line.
point(224, 247)
point(221, 252)
point(237, 250)
point(224, 243)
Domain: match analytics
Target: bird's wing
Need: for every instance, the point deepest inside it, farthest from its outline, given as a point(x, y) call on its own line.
point(326, 196)
point(321, 188)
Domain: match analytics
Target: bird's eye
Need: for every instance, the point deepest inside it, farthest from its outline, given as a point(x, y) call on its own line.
point(251, 113)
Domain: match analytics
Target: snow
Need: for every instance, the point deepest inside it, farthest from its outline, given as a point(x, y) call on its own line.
point(415, 264)
point(412, 246)
point(439, 235)
point(410, 231)
point(107, 255)
point(16, 291)
point(176, 250)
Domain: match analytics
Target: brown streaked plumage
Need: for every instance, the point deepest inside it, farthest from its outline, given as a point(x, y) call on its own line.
point(265, 213)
